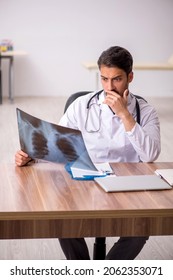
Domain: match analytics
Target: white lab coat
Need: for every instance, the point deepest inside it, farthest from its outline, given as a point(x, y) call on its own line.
point(111, 143)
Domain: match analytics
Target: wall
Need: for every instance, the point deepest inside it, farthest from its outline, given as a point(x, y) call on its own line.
point(59, 35)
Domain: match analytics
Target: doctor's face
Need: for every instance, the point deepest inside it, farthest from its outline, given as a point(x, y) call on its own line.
point(115, 79)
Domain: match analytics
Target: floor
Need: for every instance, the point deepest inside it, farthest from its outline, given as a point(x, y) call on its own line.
point(51, 109)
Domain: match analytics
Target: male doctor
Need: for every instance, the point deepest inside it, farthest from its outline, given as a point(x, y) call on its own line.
point(110, 125)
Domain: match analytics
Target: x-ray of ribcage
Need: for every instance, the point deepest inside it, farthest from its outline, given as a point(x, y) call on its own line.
point(47, 141)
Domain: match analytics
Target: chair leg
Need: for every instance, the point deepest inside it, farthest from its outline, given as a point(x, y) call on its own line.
point(99, 251)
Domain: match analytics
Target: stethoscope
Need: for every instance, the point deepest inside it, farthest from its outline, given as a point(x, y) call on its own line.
point(92, 97)
point(89, 103)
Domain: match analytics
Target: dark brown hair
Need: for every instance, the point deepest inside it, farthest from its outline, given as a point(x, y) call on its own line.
point(116, 57)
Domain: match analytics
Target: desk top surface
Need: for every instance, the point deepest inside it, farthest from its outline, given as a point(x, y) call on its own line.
point(47, 189)
point(12, 53)
point(137, 66)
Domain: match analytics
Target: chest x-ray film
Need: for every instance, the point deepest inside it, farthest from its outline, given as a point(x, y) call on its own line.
point(50, 142)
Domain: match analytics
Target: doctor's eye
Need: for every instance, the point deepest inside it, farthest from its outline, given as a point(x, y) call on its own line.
point(117, 79)
point(104, 79)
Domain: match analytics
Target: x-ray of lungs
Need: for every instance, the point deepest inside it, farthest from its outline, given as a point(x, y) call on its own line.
point(47, 141)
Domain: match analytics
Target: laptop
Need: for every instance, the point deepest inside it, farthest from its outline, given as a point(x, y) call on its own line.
point(113, 183)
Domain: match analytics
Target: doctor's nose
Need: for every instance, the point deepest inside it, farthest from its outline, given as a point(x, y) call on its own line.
point(110, 85)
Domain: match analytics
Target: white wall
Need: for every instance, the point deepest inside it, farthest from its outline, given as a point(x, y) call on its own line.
point(59, 35)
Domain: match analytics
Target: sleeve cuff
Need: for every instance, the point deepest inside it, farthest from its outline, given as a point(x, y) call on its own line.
point(131, 132)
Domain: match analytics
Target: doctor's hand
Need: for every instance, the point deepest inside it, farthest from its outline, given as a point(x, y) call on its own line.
point(117, 103)
point(21, 158)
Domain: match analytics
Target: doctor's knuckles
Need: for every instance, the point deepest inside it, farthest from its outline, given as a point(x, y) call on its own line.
point(21, 158)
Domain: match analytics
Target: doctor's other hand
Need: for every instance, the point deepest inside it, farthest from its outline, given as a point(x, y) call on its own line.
point(21, 158)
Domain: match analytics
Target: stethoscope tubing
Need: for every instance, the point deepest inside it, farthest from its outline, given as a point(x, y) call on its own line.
point(138, 115)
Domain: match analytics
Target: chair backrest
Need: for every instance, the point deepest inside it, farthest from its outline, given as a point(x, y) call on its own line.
point(73, 97)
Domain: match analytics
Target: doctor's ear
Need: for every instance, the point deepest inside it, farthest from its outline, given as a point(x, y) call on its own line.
point(130, 77)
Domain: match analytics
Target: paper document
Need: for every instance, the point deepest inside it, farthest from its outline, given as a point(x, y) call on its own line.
point(166, 174)
point(102, 169)
point(82, 173)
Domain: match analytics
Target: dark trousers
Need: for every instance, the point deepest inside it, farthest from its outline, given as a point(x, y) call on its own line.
point(126, 248)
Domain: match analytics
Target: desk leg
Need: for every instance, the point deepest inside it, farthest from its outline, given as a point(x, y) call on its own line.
point(99, 251)
point(0, 82)
point(0, 87)
point(11, 79)
point(97, 80)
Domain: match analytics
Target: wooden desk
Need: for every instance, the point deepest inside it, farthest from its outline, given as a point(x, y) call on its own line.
point(9, 55)
point(140, 66)
point(42, 201)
